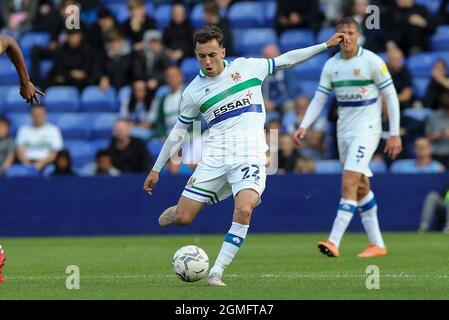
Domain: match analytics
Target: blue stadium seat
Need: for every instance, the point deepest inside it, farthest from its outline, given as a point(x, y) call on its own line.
point(378, 166)
point(162, 14)
point(101, 143)
point(190, 69)
point(420, 87)
point(162, 90)
point(311, 69)
point(251, 41)
point(3, 92)
point(246, 14)
point(45, 67)
point(31, 39)
point(270, 8)
point(8, 74)
point(102, 124)
point(93, 99)
point(62, 99)
point(432, 5)
point(420, 114)
point(72, 125)
point(308, 88)
point(82, 151)
point(18, 170)
point(440, 40)
point(18, 120)
point(155, 147)
point(14, 102)
point(398, 166)
point(197, 16)
point(119, 10)
point(420, 64)
point(325, 34)
point(328, 166)
point(296, 39)
point(383, 56)
point(124, 94)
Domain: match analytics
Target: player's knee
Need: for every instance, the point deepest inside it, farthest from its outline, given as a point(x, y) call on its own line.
point(350, 182)
point(183, 217)
point(243, 213)
point(362, 192)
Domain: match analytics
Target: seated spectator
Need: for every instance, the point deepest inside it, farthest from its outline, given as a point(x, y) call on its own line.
point(165, 109)
point(438, 84)
point(212, 17)
point(138, 22)
point(304, 165)
point(18, 15)
point(313, 145)
point(128, 154)
point(401, 76)
point(7, 148)
point(72, 62)
point(153, 60)
point(99, 31)
point(435, 204)
point(63, 164)
point(297, 14)
point(275, 85)
point(178, 35)
point(288, 154)
point(118, 67)
point(423, 162)
point(38, 143)
point(409, 26)
point(136, 109)
point(103, 165)
point(437, 130)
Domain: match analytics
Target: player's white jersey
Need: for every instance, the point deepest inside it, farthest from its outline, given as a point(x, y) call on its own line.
point(232, 105)
point(357, 83)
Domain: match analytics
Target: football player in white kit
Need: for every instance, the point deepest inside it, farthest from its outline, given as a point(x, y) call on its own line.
point(229, 97)
point(27, 91)
point(358, 77)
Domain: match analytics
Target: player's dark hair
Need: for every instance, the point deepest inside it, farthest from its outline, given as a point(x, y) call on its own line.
point(5, 121)
point(348, 21)
point(208, 33)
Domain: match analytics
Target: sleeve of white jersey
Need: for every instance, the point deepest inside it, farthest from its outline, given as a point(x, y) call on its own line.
point(188, 112)
point(380, 73)
point(261, 67)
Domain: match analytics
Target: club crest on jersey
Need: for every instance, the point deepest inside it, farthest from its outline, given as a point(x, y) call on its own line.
point(192, 180)
point(356, 72)
point(363, 91)
point(249, 94)
point(236, 76)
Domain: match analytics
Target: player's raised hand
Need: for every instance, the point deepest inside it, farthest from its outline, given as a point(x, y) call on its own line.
point(336, 39)
point(150, 182)
point(393, 147)
point(28, 92)
point(299, 135)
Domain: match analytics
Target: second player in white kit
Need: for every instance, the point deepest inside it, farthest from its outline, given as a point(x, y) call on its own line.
point(229, 97)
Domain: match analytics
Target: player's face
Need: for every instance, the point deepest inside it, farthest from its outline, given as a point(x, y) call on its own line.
point(210, 57)
point(353, 34)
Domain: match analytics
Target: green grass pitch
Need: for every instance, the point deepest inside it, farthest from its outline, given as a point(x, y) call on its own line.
point(268, 266)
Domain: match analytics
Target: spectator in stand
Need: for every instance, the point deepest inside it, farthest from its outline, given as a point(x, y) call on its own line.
point(333, 11)
point(437, 129)
point(165, 109)
point(297, 14)
point(103, 165)
point(118, 67)
point(129, 154)
point(137, 24)
point(212, 16)
point(18, 15)
point(153, 60)
point(409, 26)
point(38, 143)
point(288, 154)
point(423, 162)
point(435, 204)
point(401, 76)
point(178, 35)
point(47, 17)
point(304, 165)
point(98, 33)
point(63, 164)
point(7, 147)
point(438, 84)
point(274, 86)
point(72, 62)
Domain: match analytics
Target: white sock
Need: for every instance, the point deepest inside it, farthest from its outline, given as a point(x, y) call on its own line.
point(231, 244)
point(345, 212)
point(367, 207)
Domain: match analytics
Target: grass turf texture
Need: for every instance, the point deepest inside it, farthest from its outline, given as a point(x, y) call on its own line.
point(287, 266)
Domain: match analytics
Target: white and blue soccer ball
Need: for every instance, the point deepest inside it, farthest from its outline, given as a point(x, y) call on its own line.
point(190, 263)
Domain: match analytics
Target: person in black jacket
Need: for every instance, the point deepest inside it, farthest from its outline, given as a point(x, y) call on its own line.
point(212, 17)
point(128, 154)
point(297, 14)
point(178, 36)
point(439, 83)
point(138, 22)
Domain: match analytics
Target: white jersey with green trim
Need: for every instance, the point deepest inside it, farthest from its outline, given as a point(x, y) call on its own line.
point(232, 105)
point(357, 83)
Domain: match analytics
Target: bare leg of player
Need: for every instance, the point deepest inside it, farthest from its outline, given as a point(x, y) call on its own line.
point(245, 202)
point(182, 214)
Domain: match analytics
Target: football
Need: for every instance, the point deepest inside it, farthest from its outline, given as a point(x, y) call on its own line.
point(190, 263)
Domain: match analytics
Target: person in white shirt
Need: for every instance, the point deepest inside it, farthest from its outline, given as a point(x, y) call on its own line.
point(38, 143)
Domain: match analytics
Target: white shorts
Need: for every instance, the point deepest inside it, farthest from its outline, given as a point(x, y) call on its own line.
point(356, 152)
point(213, 183)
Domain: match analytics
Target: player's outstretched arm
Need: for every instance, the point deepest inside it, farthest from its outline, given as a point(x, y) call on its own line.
point(12, 49)
point(393, 147)
point(298, 56)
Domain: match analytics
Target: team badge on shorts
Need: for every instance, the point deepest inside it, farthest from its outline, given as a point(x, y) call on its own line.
point(236, 76)
point(192, 180)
